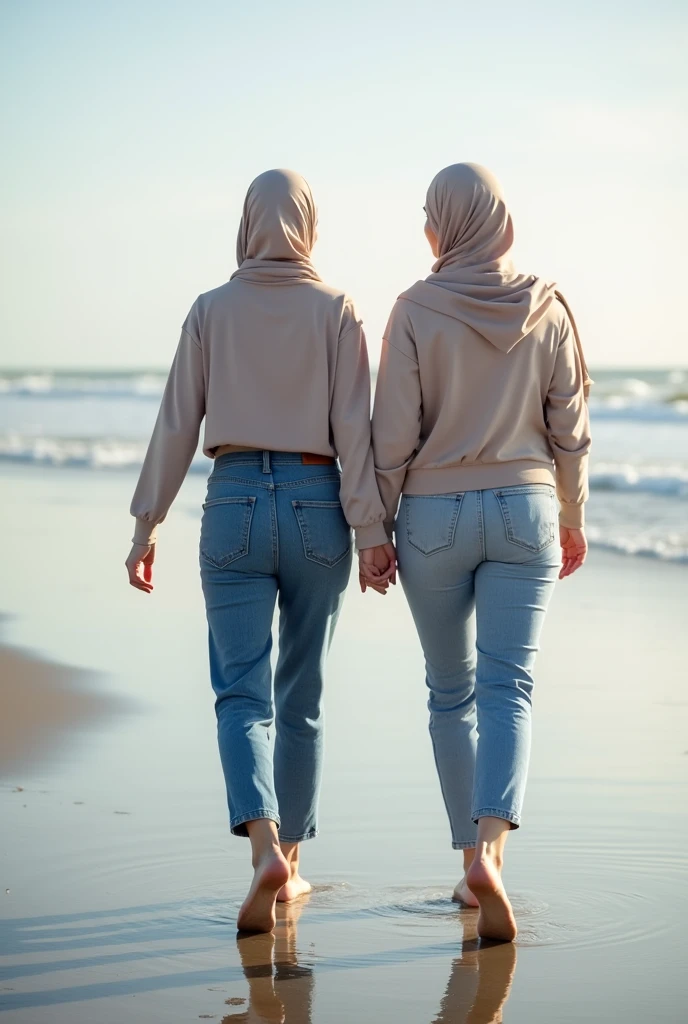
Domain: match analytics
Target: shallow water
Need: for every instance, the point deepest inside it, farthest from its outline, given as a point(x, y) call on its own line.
point(124, 882)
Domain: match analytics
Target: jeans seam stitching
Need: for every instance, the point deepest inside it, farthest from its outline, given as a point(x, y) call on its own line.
point(309, 482)
point(274, 524)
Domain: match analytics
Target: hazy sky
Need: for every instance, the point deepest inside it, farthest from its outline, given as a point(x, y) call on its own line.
point(132, 129)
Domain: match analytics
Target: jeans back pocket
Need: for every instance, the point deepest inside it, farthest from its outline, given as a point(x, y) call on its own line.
point(226, 530)
point(529, 515)
point(431, 520)
point(324, 530)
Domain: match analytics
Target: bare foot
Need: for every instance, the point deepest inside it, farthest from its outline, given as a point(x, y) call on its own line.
point(257, 913)
point(496, 920)
point(295, 887)
point(462, 894)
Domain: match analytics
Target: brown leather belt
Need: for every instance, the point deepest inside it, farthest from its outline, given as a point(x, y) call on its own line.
point(307, 458)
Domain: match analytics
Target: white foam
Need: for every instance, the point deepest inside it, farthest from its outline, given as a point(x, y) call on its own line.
point(64, 385)
point(87, 453)
point(618, 407)
point(667, 550)
point(670, 481)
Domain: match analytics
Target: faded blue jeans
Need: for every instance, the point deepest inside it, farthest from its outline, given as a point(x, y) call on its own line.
point(273, 531)
point(478, 570)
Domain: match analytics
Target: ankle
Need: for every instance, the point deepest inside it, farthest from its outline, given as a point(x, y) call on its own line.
point(267, 852)
point(290, 852)
point(494, 857)
point(488, 853)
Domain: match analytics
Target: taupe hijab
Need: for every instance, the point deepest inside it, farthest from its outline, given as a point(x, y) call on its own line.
point(277, 230)
point(474, 279)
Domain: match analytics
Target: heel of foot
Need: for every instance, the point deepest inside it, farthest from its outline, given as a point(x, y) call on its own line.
point(496, 920)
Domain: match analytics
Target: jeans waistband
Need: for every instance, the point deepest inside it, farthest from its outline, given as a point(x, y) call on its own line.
point(266, 459)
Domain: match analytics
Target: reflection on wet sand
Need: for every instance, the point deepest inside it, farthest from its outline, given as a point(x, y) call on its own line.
point(479, 983)
point(281, 988)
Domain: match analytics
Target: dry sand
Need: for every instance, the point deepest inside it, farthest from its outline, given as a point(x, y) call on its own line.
point(43, 705)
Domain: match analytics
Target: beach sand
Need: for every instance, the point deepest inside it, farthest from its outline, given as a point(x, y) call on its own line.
point(121, 883)
point(44, 706)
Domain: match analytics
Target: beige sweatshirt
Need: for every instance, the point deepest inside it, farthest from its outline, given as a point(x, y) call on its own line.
point(453, 412)
point(299, 384)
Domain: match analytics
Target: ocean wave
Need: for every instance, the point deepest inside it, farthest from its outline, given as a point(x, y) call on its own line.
point(84, 453)
point(105, 386)
point(618, 408)
point(668, 481)
point(666, 550)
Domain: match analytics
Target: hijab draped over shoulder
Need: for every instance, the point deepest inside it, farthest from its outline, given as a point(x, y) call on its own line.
point(474, 279)
point(277, 231)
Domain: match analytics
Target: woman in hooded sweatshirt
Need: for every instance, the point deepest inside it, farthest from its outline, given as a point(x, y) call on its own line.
point(480, 423)
point(276, 362)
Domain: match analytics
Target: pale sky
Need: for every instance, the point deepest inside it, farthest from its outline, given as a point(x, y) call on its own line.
point(131, 131)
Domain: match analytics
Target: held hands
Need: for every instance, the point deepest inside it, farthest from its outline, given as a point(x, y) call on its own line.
point(377, 568)
point(140, 566)
point(574, 548)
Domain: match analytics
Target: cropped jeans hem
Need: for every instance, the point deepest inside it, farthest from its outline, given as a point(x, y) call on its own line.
point(238, 825)
point(299, 839)
point(495, 812)
point(468, 845)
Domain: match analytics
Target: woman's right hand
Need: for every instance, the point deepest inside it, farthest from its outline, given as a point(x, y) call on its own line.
point(574, 548)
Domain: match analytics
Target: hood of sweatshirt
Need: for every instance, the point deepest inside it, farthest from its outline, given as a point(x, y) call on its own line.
point(473, 279)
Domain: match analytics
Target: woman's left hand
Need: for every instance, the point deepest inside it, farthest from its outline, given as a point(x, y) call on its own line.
point(140, 566)
point(377, 567)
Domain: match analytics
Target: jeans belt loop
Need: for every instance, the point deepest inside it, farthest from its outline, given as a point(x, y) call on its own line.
point(266, 462)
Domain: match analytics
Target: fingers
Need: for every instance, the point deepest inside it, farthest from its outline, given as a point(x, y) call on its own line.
point(378, 573)
point(370, 572)
point(572, 560)
point(137, 575)
point(139, 583)
point(140, 567)
point(387, 574)
point(366, 584)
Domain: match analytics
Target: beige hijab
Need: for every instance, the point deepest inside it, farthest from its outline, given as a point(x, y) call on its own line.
point(277, 230)
point(473, 278)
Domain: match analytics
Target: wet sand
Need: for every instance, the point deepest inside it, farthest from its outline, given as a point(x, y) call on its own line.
point(44, 707)
point(124, 882)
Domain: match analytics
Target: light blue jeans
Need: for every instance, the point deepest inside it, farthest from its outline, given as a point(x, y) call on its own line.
point(273, 530)
point(478, 570)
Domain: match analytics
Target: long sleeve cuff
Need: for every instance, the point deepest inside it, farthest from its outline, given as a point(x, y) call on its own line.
point(371, 536)
point(145, 533)
point(571, 516)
